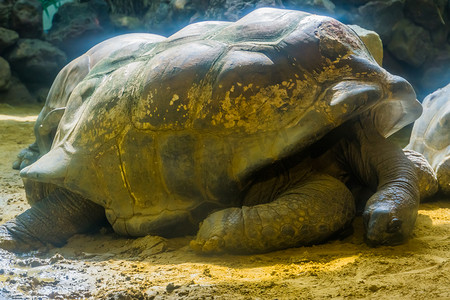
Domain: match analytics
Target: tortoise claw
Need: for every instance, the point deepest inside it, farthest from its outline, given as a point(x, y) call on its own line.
point(211, 237)
point(211, 245)
point(26, 157)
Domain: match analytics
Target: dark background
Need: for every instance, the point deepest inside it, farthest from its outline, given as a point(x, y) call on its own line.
point(415, 34)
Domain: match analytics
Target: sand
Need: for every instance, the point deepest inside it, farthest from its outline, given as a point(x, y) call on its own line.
point(105, 266)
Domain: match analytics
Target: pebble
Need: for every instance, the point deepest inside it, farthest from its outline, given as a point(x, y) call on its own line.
point(373, 288)
point(171, 287)
point(55, 258)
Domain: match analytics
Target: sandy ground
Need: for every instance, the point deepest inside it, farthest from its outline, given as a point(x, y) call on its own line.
point(106, 266)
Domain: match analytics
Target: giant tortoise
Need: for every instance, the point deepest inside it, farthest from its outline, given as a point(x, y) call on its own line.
point(260, 134)
point(431, 136)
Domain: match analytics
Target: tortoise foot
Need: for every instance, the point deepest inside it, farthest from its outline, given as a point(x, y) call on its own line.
point(26, 157)
point(207, 245)
point(214, 236)
point(10, 239)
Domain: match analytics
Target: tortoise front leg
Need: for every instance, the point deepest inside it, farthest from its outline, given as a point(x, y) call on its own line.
point(390, 213)
point(44, 131)
point(53, 220)
point(307, 213)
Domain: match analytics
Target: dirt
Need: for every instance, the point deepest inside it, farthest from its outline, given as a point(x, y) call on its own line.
point(105, 266)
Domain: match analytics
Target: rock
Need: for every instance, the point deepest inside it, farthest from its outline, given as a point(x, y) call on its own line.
point(410, 43)
point(439, 36)
point(56, 258)
point(147, 246)
point(5, 13)
point(36, 61)
point(26, 18)
point(5, 74)
point(7, 38)
point(380, 16)
point(325, 7)
point(77, 27)
point(351, 2)
point(160, 18)
point(232, 10)
point(429, 14)
point(17, 93)
point(172, 287)
point(41, 93)
point(372, 41)
point(165, 18)
point(124, 23)
point(437, 74)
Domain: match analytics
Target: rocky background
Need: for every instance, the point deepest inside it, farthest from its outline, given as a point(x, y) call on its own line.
point(415, 34)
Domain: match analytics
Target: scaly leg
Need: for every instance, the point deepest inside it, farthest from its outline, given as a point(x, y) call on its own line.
point(307, 213)
point(52, 220)
point(390, 213)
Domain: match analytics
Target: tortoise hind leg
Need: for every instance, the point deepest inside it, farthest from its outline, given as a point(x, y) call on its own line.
point(307, 213)
point(52, 220)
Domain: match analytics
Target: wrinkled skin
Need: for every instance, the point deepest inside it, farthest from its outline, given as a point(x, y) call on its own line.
point(360, 156)
point(266, 135)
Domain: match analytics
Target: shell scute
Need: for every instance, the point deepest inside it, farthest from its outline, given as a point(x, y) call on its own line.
point(172, 89)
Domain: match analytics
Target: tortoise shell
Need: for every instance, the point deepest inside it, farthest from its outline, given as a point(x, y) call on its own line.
point(431, 135)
